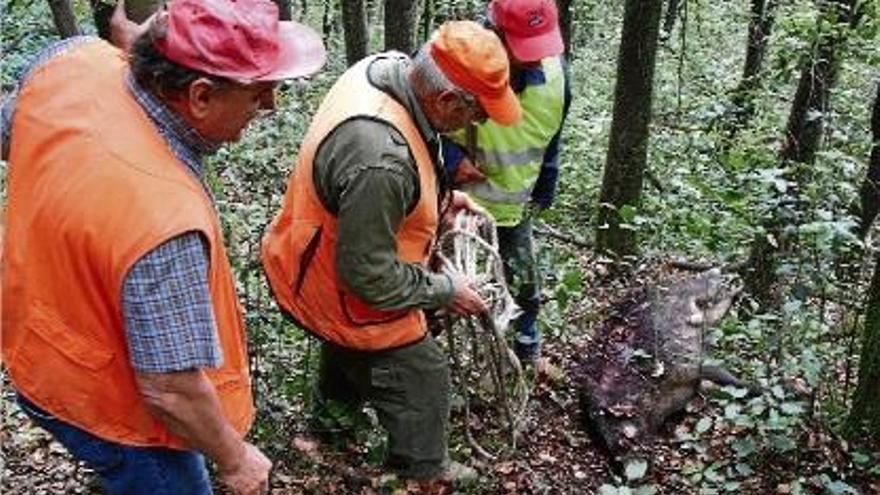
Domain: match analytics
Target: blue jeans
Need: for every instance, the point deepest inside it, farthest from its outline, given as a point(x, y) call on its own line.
point(124, 469)
point(517, 250)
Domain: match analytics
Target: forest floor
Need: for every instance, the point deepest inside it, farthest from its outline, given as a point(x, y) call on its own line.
point(554, 454)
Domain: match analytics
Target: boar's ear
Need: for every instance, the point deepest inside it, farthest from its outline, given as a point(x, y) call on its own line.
point(714, 313)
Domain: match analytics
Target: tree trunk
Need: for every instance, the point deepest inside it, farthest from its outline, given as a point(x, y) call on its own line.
point(628, 144)
point(760, 25)
point(669, 17)
point(354, 21)
point(865, 413)
point(566, 13)
point(65, 21)
point(327, 21)
point(870, 192)
point(401, 18)
point(802, 138)
point(284, 9)
point(427, 18)
point(136, 10)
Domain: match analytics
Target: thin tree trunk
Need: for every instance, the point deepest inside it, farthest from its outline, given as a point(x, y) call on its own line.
point(870, 193)
point(136, 10)
point(427, 18)
point(865, 412)
point(327, 21)
point(284, 9)
point(65, 21)
point(802, 139)
point(354, 21)
point(401, 18)
point(669, 18)
point(760, 24)
point(566, 14)
point(628, 144)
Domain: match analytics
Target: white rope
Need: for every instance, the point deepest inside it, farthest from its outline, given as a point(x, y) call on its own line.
point(469, 249)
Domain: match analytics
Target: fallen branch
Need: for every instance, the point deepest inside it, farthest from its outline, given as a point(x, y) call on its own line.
point(700, 266)
point(543, 229)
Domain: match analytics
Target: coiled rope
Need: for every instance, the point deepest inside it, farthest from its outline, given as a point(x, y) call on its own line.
point(478, 345)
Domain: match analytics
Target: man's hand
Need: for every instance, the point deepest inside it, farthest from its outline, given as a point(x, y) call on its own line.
point(187, 404)
point(465, 301)
point(461, 201)
point(467, 172)
point(250, 474)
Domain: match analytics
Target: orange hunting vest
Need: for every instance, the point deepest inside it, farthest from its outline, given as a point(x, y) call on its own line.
point(93, 188)
point(299, 249)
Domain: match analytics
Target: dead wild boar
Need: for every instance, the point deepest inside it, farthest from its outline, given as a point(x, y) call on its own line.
point(645, 361)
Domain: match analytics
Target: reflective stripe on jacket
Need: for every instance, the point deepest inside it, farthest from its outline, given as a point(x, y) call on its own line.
point(92, 188)
point(511, 157)
point(299, 249)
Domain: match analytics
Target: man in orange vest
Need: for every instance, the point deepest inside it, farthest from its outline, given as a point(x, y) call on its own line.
point(121, 330)
point(346, 256)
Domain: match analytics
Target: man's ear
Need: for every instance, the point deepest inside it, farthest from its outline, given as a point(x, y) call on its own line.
point(448, 99)
point(200, 95)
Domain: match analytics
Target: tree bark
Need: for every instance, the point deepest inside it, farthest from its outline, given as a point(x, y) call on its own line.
point(136, 10)
point(65, 21)
point(285, 12)
point(870, 192)
point(760, 24)
point(401, 18)
point(628, 144)
point(427, 20)
point(865, 412)
point(802, 139)
point(669, 18)
point(566, 14)
point(354, 21)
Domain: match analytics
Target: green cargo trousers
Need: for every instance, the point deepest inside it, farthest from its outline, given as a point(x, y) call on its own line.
point(409, 389)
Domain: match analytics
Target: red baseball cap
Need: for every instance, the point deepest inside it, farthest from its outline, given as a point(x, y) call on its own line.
point(242, 40)
point(530, 27)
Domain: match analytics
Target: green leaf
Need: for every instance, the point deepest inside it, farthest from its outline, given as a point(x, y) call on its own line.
point(744, 469)
point(645, 490)
point(782, 444)
point(627, 213)
point(861, 459)
point(607, 489)
point(791, 408)
point(703, 425)
point(838, 487)
point(636, 469)
point(744, 447)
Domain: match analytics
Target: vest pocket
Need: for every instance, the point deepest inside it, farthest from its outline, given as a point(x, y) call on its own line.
point(82, 349)
point(360, 313)
point(307, 238)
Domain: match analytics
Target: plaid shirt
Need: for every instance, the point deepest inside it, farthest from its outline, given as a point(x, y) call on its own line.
point(166, 299)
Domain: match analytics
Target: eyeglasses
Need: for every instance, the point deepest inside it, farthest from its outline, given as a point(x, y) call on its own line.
point(473, 104)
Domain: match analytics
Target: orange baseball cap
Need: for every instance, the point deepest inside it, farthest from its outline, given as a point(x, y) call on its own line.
point(474, 59)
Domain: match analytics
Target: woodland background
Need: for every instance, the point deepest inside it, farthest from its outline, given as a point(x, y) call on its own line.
point(742, 134)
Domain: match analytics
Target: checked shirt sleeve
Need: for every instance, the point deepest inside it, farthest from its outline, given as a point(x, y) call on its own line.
point(166, 304)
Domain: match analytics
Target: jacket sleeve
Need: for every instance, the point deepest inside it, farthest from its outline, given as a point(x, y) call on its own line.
point(364, 173)
point(545, 187)
point(453, 153)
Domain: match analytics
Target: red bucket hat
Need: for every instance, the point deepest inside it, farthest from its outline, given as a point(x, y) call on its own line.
point(242, 40)
point(530, 27)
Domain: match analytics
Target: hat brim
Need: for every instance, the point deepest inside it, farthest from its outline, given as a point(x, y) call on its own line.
point(505, 109)
point(302, 52)
point(535, 48)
